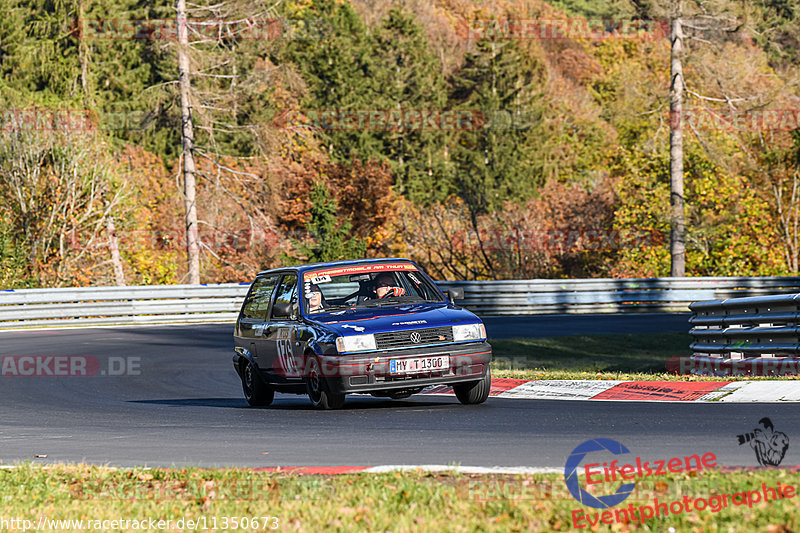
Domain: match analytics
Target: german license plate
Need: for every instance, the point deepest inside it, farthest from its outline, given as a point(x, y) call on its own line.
point(438, 363)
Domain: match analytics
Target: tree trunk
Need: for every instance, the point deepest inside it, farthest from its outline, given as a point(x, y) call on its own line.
point(677, 229)
point(187, 131)
point(83, 55)
point(116, 259)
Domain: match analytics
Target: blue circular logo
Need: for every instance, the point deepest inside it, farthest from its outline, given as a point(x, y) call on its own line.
point(571, 476)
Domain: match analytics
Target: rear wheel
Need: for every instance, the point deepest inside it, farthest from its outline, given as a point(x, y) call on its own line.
point(318, 390)
point(256, 392)
point(474, 391)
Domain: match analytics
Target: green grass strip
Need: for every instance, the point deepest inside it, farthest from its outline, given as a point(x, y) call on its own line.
point(399, 502)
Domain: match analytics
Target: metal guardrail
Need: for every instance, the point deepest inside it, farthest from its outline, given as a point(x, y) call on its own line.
point(528, 297)
point(221, 303)
point(121, 305)
point(727, 332)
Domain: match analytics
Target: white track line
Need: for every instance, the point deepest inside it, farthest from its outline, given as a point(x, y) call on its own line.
point(465, 469)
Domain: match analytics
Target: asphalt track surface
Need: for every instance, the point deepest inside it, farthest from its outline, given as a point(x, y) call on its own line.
point(182, 405)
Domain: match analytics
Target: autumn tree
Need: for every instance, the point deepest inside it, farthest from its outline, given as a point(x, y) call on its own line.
point(217, 96)
point(690, 20)
point(59, 189)
point(362, 193)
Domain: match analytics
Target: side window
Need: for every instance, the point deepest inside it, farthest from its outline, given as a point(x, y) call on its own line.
point(256, 304)
point(420, 287)
point(415, 289)
point(287, 292)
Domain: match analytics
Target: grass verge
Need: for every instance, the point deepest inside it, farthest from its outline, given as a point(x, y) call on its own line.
point(410, 501)
point(622, 357)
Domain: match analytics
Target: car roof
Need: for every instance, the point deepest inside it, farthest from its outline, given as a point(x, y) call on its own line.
point(313, 266)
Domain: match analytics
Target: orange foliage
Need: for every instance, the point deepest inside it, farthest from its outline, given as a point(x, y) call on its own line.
point(363, 192)
point(561, 233)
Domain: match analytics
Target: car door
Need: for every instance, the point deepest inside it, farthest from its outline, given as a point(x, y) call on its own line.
point(253, 318)
point(281, 335)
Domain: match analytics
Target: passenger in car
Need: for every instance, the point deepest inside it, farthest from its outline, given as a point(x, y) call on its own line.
point(315, 300)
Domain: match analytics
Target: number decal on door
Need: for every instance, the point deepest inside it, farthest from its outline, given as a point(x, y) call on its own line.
point(286, 359)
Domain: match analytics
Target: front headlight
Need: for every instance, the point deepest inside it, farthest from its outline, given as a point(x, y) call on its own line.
point(355, 343)
point(469, 332)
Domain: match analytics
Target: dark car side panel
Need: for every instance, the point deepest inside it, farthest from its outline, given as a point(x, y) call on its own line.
point(280, 347)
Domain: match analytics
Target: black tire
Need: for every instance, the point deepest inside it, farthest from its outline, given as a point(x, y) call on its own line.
point(256, 392)
point(474, 392)
point(318, 390)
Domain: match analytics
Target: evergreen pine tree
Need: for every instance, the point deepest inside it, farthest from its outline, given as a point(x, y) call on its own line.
point(389, 70)
point(336, 67)
point(500, 160)
point(329, 236)
point(407, 77)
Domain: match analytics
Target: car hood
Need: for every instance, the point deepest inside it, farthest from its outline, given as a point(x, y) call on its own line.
point(394, 318)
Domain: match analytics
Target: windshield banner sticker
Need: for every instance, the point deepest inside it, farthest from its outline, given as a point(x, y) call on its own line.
point(359, 269)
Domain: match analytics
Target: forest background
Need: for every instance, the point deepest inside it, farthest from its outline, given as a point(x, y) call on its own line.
point(484, 139)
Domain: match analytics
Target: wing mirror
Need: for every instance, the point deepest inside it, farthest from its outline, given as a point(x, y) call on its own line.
point(455, 293)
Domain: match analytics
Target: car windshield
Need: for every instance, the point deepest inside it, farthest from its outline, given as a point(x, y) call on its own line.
point(367, 285)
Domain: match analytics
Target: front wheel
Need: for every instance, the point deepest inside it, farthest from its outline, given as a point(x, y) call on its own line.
point(318, 390)
point(256, 392)
point(474, 391)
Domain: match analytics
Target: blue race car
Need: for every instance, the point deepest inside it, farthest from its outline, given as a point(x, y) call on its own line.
point(375, 326)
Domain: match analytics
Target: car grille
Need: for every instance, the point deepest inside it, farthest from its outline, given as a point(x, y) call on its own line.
point(403, 339)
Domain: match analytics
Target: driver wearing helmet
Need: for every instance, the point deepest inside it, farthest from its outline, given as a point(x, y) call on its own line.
point(386, 286)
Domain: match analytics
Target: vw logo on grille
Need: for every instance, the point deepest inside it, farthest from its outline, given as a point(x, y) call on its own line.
point(416, 337)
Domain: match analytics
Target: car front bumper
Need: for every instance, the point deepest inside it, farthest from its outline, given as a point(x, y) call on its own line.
point(370, 372)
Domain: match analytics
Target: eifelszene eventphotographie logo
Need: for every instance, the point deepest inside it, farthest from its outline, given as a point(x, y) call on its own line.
point(770, 445)
point(601, 477)
point(573, 483)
